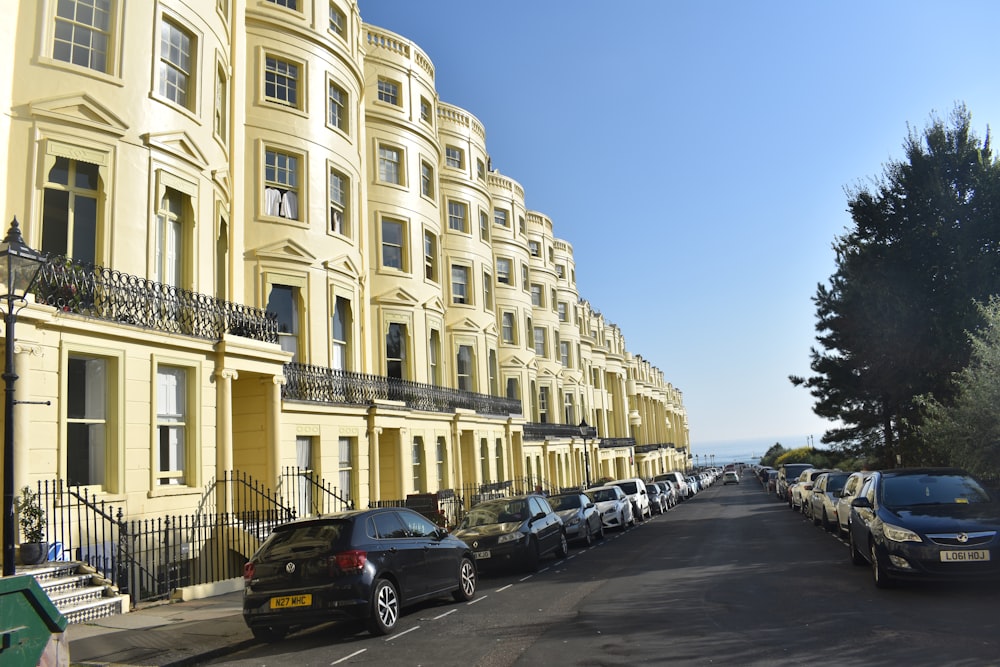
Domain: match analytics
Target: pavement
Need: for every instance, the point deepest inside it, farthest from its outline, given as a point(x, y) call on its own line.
point(166, 634)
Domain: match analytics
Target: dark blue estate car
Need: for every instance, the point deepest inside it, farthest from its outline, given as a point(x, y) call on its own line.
point(925, 523)
point(364, 564)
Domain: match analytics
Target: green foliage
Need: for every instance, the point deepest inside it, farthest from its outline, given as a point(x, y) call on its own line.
point(891, 321)
point(31, 516)
point(965, 431)
point(772, 454)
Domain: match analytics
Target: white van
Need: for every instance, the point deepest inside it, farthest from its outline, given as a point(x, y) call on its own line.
point(635, 489)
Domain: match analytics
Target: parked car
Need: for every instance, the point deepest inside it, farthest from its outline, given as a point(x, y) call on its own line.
point(657, 500)
point(614, 506)
point(851, 489)
point(771, 484)
point(823, 499)
point(581, 520)
point(518, 530)
point(635, 489)
point(800, 490)
point(364, 564)
point(730, 477)
point(925, 523)
point(788, 473)
point(670, 491)
point(683, 490)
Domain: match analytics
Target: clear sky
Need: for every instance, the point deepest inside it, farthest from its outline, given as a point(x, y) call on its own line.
point(696, 153)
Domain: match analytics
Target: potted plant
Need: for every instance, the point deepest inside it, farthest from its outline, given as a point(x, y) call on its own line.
point(31, 516)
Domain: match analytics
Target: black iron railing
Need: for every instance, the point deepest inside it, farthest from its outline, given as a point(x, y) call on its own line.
point(543, 431)
point(106, 294)
point(148, 558)
point(310, 495)
point(611, 443)
point(327, 385)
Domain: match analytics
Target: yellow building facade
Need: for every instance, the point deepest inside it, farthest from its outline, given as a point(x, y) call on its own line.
point(273, 247)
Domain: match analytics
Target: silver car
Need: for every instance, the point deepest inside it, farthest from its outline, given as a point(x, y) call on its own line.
point(851, 489)
point(581, 519)
point(823, 499)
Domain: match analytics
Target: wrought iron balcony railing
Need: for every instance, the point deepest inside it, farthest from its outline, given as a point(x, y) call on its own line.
point(106, 294)
point(543, 431)
point(609, 443)
point(327, 385)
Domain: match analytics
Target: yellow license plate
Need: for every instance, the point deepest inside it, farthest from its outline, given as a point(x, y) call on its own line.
point(286, 601)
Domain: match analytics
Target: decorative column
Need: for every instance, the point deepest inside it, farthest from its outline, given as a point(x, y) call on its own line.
point(224, 432)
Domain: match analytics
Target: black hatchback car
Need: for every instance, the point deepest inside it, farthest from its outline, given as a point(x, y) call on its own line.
point(365, 564)
point(518, 530)
point(925, 523)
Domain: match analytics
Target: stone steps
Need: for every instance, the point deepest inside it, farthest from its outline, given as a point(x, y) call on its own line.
point(77, 590)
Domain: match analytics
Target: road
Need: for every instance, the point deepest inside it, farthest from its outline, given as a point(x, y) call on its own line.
point(731, 577)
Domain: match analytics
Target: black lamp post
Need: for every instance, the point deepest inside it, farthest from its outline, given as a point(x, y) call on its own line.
point(584, 432)
point(19, 266)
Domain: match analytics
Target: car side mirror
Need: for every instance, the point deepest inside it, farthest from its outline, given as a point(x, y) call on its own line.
point(538, 517)
point(589, 505)
point(861, 502)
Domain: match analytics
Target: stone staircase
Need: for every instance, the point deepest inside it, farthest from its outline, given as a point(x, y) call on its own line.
point(77, 590)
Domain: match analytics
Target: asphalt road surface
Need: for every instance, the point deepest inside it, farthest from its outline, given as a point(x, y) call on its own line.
point(731, 577)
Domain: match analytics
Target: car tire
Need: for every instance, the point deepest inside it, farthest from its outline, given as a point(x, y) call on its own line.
point(827, 524)
point(600, 531)
point(879, 575)
point(384, 612)
point(588, 537)
point(466, 581)
point(269, 633)
point(857, 558)
point(817, 520)
point(563, 549)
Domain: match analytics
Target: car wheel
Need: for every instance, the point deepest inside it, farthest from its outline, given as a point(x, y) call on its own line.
point(857, 557)
point(817, 520)
point(563, 549)
point(588, 538)
point(600, 531)
point(384, 608)
point(827, 524)
point(466, 581)
point(879, 575)
point(631, 521)
point(269, 633)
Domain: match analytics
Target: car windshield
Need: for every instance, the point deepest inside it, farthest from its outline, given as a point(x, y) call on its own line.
point(951, 489)
point(602, 495)
point(651, 488)
point(496, 511)
point(569, 502)
point(627, 487)
point(303, 538)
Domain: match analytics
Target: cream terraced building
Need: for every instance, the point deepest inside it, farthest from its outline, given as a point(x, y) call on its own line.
point(273, 247)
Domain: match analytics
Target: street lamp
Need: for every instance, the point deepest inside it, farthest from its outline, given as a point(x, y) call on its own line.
point(19, 266)
point(584, 432)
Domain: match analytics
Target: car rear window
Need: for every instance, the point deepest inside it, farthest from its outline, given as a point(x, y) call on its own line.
point(302, 539)
point(602, 495)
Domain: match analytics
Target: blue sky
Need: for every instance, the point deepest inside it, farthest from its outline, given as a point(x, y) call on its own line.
point(696, 154)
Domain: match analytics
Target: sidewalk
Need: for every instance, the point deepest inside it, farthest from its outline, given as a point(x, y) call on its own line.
point(161, 635)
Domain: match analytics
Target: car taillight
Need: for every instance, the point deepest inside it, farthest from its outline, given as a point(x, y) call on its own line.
point(248, 570)
point(348, 562)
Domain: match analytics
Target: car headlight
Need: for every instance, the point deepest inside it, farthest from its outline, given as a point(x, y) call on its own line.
point(509, 537)
point(897, 534)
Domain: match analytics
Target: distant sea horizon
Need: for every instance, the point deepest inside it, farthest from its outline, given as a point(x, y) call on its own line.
point(746, 450)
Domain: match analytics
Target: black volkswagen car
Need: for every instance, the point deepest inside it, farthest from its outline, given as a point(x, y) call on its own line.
point(365, 564)
point(925, 523)
point(518, 530)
